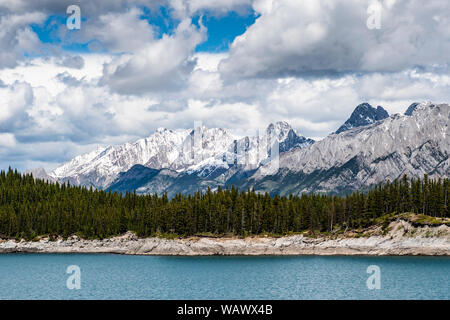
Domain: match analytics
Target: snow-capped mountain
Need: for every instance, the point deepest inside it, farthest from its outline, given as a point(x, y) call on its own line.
point(186, 161)
point(363, 115)
point(288, 137)
point(358, 158)
point(205, 152)
point(100, 167)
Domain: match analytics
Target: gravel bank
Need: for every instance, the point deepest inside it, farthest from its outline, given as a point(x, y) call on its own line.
point(402, 239)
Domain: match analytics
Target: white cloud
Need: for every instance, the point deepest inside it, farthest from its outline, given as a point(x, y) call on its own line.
point(188, 8)
point(288, 66)
point(325, 37)
point(16, 37)
point(121, 32)
point(15, 100)
point(54, 113)
point(7, 140)
point(209, 61)
point(163, 64)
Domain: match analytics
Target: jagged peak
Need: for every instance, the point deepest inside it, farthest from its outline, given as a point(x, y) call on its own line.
point(280, 129)
point(411, 108)
point(381, 109)
point(173, 149)
point(364, 114)
point(424, 106)
point(366, 107)
point(279, 124)
point(418, 107)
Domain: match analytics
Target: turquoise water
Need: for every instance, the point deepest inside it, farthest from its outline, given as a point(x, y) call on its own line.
point(43, 276)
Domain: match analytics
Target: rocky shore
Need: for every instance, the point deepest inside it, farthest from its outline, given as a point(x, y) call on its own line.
point(400, 238)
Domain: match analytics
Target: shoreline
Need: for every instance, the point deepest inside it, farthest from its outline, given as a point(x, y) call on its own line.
point(403, 239)
point(285, 246)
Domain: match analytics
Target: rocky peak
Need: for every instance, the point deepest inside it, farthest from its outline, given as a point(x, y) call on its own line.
point(363, 115)
point(411, 109)
point(415, 107)
point(288, 137)
point(280, 129)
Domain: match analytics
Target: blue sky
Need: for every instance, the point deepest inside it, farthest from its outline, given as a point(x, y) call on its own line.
point(137, 65)
point(49, 31)
point(222, 29)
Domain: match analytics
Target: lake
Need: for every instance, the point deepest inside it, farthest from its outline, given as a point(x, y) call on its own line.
point(44, 276)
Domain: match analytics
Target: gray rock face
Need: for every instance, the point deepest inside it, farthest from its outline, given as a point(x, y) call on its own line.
point(358, 158)
point(101, 167)
point(177, 151)
point(133, 178)
point(363, 115)
point(414, 144)
point(411, 109)
point(40, 173)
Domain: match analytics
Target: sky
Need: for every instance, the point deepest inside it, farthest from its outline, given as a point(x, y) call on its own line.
point(136, 65)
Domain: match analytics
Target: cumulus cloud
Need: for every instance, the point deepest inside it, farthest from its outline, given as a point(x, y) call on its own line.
point(7, 140)
point(307, 62)
point(16, 37)
point(120, 31)
point(91, 8)
point(185, 8)
point(69, 110)
point(104, 19)
point(70, 61)
point(15, 100)
point(298, 38)
point(161, 64)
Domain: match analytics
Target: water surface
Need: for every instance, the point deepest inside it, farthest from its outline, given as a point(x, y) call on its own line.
point(43, 276)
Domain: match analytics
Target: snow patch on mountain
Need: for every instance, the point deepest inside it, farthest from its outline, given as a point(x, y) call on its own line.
point(203, 151)
point(414, 145)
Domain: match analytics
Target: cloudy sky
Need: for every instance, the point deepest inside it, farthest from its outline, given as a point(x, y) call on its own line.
point(136, 65)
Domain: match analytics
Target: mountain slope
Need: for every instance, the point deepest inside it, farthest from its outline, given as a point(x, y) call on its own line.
point(363, 115)
point(204, 152)
point(352, 160)
point(355, 159)
point(174, 161)
point(133, 178)
point(100, 167)
point(40, 173)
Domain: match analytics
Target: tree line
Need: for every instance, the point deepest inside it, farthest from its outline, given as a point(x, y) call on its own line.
point(31, 207)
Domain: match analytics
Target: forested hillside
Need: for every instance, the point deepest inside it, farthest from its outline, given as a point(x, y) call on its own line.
point(30, 207)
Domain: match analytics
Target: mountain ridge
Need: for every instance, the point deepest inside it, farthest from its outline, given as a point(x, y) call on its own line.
point(414, 143)
point(215, 149)
point(364, 156)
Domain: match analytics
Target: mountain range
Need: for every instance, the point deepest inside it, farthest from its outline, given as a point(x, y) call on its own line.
point(361, 157)
point(369, 148)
